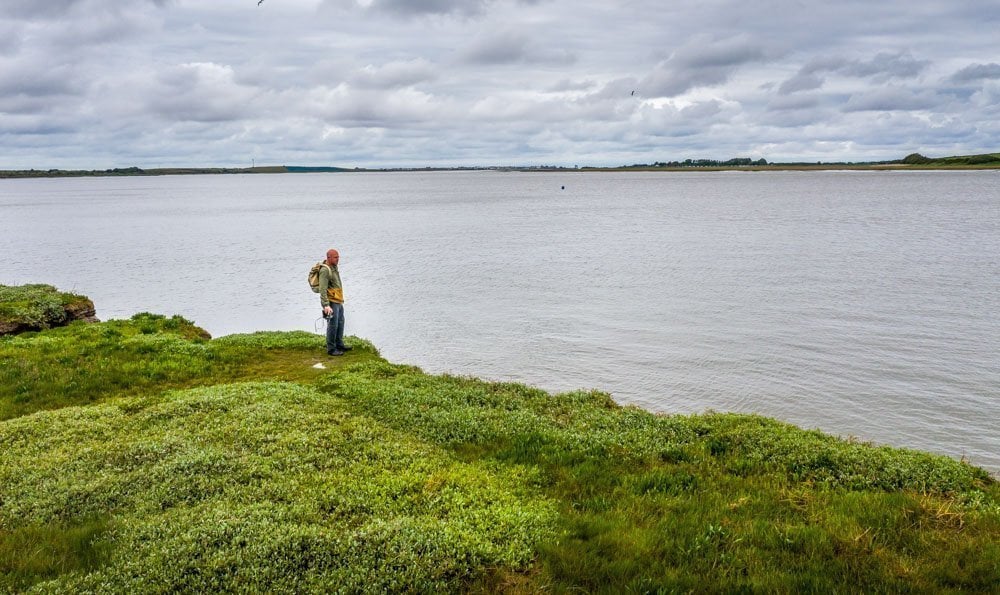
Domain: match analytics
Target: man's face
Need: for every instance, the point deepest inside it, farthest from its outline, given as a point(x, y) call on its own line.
point(333, 257)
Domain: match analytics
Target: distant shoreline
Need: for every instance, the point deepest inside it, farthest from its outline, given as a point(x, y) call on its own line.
point(914, 161)
point(803, 167)
point(177, 171)
point(161, 171)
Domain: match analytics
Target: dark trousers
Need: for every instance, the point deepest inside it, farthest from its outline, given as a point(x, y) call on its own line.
point(335, 328)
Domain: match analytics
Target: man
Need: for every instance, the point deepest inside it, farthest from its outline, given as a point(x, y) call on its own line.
point(331, 296)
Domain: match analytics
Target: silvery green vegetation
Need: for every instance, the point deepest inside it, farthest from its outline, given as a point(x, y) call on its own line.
point(140, 456)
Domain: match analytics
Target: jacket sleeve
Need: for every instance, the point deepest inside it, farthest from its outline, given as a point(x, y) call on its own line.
point(324, 284)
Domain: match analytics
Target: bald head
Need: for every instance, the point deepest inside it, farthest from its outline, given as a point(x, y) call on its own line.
point(332, 257)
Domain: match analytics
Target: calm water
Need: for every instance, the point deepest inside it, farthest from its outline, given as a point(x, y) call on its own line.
point(862, 303)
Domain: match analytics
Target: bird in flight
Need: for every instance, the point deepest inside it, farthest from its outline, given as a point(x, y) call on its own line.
point(259, 2)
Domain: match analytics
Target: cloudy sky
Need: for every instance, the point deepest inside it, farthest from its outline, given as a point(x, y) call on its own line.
point(387, 83)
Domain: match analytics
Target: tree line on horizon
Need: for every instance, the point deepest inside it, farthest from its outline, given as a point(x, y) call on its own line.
point(911, 159)
point(980, 160)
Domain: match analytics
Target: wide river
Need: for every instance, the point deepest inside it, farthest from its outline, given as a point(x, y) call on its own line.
point(865, 304)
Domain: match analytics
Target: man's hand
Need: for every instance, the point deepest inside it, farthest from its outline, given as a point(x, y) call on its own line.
point(327, 310)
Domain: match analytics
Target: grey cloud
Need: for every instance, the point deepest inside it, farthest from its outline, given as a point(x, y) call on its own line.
point(702, 110)
point(899, 129)
point(430, 7)
point(104, 29)
point(796, 118)
point(200, 92)
point(571, 85)
point(513, 110)
point(796, 102)
point(673, 122)
point(349, 107)
point(10, 40)
point(798, 110)
point(503, 48)
point(616, 90)
point(38, 80)
point(800, 82)
point(824, 64)
point(725, 53)
point(57, 9)
point(890, 99)
point(416, 8)
point(884, 66)
point(702, 62)
point(79, 32)
point(881, 67)
point(986, 101)
point(33, 126)
point(513, 47)
point(36, 10)
point(977, 72)
point(394, 74)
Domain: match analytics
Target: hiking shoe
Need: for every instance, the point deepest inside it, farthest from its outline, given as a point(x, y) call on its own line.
point(335, 352)
point(344, 348)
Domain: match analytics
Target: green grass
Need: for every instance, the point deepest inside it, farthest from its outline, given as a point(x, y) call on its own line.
point(260, 486)
point(88, 363)
point(37, 552)
point(139, 456)
point(715, 502)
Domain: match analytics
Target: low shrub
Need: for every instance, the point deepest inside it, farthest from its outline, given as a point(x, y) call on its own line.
point(156, 471)
point(261, 487)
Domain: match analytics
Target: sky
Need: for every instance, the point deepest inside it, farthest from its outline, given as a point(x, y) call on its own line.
point(97, 84)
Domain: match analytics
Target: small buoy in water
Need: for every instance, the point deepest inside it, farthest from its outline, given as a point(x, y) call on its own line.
point(563, 188)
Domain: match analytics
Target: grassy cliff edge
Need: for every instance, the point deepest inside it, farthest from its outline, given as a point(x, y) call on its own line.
point(140, 456)
point(26, 308)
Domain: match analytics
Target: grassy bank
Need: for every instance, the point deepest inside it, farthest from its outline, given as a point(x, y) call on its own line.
point(140, 456)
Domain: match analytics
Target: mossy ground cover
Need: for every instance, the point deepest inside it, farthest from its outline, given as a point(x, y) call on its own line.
point(138, 456)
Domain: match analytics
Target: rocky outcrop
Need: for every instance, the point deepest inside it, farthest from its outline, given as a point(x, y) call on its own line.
point(29, 308)
point(82, 310)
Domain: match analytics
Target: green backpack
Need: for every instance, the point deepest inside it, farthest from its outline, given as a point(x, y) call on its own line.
point(314, 276)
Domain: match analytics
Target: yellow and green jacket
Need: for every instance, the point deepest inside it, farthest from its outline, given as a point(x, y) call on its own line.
point(330, 289)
